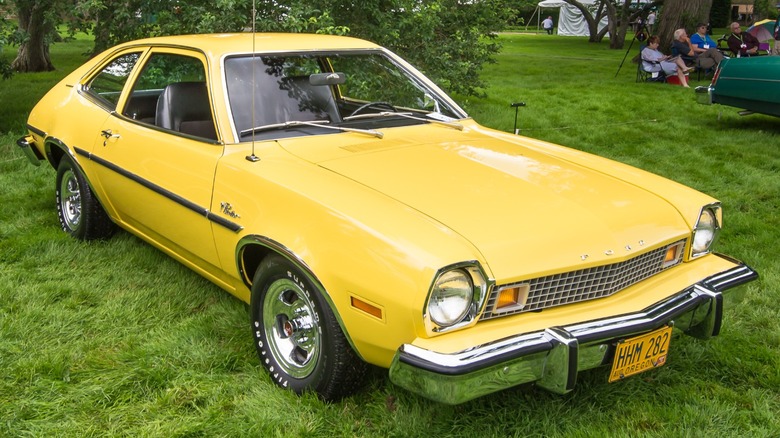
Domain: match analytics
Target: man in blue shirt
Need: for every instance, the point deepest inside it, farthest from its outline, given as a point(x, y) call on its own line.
point(700, 40)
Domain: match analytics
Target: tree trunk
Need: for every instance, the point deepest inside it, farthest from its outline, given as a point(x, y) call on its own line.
point(33, 55)
point(593, 22)
point(618, 25)
point(678, 14)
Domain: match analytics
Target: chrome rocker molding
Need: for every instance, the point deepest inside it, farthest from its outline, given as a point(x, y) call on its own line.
point(553, 357)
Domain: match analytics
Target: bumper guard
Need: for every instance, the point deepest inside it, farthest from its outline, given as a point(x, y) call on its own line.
point(703, 95)
point(29, 151)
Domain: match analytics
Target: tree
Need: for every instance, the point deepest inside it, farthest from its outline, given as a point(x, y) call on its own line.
point(720, 14)
point(620, 16)
point(592, 15)
point(678, 14)
point(5, 32)
point(449, 39)
point(37, 20)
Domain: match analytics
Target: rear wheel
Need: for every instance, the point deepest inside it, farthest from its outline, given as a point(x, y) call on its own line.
point(298, 338)
point(80, 213)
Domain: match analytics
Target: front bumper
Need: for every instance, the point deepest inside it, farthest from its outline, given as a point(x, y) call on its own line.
point(553, 357)
point(704, 95)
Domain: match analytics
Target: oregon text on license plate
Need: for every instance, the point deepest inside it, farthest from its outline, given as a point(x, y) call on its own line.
point(641, 353)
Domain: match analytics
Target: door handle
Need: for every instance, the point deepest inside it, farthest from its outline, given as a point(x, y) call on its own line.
point(107, 134)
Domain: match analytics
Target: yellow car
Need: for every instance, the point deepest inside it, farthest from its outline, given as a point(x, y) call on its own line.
point(366, 219)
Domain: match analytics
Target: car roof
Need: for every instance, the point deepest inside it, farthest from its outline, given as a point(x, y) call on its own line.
point(217, 45)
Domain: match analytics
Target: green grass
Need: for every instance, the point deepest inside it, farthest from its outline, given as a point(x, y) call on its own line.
point(115, 339)
point(22, 91)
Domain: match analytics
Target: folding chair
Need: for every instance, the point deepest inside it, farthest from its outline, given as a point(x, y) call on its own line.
point(643, 75)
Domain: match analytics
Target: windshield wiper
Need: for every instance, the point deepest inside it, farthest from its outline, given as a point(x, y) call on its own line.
point(457, 126)
point(317, 123)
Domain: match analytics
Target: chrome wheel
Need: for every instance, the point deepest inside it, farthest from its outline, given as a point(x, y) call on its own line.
point(291, 328)
point(70, 200)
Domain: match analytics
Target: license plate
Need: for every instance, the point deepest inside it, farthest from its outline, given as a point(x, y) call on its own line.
point(639, 354)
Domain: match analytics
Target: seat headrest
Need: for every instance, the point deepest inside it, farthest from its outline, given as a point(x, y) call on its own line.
point(180, 102)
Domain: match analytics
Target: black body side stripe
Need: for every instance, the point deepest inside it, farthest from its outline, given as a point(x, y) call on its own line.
point(232, 226)
point(35, 130)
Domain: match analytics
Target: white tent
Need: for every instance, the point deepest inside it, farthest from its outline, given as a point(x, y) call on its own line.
point(570, 19)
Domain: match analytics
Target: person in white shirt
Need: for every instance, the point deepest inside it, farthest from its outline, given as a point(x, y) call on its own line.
point(547, 24)
point(650, 21)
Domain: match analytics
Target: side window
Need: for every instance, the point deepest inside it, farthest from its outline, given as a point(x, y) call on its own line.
point(171, 93)
point(108, 84)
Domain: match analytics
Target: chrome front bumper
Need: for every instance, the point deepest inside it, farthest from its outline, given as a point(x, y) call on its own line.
point(553, 357)
point(704, 95)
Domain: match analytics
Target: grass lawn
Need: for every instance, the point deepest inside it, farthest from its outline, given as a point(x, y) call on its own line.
point(115, 339)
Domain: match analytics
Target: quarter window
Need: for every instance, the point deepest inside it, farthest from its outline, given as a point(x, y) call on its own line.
point(108, 84)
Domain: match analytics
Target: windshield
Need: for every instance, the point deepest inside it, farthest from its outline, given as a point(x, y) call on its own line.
point(356, 89)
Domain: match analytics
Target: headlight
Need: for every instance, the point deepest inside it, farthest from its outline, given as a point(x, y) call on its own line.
point(450, 298)
point(706, 230)
point(456, 297)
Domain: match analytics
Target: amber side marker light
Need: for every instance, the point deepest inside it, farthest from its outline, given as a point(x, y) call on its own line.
point(511, 298)
point(672, 255)
point(372, 310)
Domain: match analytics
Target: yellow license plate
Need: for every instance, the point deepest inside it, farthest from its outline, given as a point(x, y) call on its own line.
point(639, 354)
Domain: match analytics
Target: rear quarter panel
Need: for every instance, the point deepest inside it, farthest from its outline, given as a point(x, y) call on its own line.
point(750, 83)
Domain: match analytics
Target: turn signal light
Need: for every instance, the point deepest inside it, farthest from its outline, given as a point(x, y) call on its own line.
point(511, 298)
point(366, 307)
point(672, 254)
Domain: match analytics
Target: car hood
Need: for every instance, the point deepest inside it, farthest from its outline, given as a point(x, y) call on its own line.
point(524, 209)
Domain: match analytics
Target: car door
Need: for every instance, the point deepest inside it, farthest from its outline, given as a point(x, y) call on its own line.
point(157, 156)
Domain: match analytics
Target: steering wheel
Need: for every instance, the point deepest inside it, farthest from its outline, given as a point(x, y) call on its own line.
point(377, 105)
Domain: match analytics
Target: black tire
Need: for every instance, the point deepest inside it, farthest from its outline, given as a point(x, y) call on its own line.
point(79, 211)
point(297, 336)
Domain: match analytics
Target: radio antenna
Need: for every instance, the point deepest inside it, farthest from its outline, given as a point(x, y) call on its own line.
point(252, 157)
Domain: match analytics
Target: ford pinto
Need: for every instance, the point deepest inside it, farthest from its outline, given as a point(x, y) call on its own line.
point(365, 218)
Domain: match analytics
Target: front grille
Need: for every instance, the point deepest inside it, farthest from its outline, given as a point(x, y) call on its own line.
point(585, 284)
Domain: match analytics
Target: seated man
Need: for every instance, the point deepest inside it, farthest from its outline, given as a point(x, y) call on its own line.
point(741, 43)
point(705, 58)
point(701, 41)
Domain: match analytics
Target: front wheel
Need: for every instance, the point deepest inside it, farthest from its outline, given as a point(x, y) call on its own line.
point(297, 336)
point(79, 211)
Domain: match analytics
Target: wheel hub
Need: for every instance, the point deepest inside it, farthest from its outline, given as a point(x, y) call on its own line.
point(71, 200)
point(292, 332)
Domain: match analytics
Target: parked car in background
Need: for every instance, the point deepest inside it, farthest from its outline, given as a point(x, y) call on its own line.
point(752, 84)
point(366, 219)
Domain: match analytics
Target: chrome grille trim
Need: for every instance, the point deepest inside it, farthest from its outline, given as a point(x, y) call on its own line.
point(586, 284)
